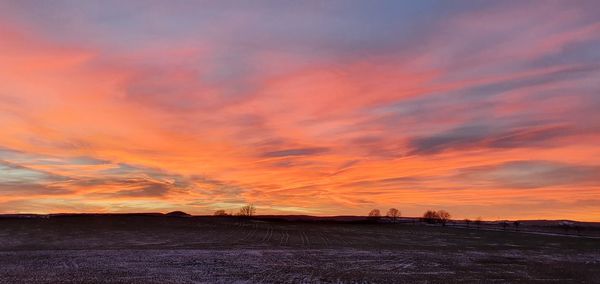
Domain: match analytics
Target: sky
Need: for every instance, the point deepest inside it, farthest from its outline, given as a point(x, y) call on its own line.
point(480, 108)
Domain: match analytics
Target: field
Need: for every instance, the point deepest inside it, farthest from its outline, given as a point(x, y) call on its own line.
point(159, 249)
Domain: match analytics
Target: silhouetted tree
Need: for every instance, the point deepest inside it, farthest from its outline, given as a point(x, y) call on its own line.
point(220, 213)
point(516, 224)
point(247, 211)
point(430, 216)
point(504, 225)
point(393, 214)
point(443, 217)
point(468, 222)
point(374, 215)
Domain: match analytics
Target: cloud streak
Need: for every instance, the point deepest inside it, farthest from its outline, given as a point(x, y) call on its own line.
point(480, 136)
point(295, 152)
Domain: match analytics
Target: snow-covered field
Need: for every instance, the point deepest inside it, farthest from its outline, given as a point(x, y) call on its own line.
point(208, 250)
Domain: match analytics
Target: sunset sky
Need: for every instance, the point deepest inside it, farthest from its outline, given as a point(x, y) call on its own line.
point(481, 108)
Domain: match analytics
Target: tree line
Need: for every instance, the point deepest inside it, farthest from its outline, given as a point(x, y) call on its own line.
point(245, 211)
point(430, 216)
point(393, 214)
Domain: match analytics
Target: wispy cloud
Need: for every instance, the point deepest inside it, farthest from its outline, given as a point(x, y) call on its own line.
point(531, 174)
point(296, 152)
point(486, 136)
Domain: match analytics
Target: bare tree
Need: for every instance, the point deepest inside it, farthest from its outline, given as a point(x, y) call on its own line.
point(374, 215)
point(220, 213)
point(247, 211)
point(516, 224)
point(393, 214)
point(443, 216)
point(430, 216)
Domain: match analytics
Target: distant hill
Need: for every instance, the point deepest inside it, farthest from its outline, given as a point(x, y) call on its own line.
point(178, 214)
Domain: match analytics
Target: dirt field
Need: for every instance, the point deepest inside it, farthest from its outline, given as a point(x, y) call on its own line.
point(146, 249)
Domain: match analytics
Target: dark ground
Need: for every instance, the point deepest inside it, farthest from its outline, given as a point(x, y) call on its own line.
point(159, 249)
